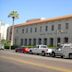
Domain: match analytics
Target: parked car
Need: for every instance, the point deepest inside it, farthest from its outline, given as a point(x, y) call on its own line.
point(22, 49)
point(64, 51)
point(39, 49)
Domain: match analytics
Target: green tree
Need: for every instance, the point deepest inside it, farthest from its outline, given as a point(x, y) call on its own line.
point(14, 15)
point(5, 42)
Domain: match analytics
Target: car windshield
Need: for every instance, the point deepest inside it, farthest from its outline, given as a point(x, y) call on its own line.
point(43, 47)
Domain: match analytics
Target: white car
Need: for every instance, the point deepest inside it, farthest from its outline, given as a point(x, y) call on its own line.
point(39, 49)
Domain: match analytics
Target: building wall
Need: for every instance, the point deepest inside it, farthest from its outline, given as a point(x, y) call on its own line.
point(9, 33)
point(3, 30)
point(62, 33)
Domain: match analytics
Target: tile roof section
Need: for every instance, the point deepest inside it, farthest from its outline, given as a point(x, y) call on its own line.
point(40, 21)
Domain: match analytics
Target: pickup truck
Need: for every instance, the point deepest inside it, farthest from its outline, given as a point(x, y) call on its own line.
point(39, 49)
point(64, 51)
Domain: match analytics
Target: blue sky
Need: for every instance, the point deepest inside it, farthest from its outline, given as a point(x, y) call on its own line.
point(29, 9)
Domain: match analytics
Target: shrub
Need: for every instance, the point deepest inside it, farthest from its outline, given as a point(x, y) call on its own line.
point(14, 46)
point(6, 47)
point(51, 46)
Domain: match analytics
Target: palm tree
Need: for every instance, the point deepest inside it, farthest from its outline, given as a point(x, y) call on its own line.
point(14, 15)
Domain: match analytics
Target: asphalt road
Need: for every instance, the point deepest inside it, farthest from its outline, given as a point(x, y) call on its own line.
point(19, 62)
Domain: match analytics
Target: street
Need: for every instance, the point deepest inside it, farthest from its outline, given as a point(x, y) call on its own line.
point(19, 62)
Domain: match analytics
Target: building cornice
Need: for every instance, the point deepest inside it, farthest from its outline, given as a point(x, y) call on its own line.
point(43, 21)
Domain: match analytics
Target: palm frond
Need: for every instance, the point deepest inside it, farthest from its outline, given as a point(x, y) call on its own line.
point(14, 14)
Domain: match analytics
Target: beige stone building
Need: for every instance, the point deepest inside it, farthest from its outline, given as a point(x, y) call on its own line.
point(43, 31)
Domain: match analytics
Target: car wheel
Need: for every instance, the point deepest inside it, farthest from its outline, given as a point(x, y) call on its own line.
point(64, 57)
point(53, 54)
point(70, 55)
point(22, 51)
point(43, 53)
point(30, 52)
point(61, 56)
point(16, 51)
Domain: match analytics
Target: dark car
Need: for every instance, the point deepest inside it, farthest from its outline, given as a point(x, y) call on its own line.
point(22, 49)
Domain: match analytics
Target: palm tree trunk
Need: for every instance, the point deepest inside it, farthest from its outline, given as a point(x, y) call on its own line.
point(12, 36)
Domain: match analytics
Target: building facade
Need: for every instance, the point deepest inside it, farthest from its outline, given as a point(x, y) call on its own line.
point(3, 30)
point(43, 31)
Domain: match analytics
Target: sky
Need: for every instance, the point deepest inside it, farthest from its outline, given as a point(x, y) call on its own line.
point(31, 9)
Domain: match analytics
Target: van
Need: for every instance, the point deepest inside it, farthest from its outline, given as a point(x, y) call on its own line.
point(64, 51)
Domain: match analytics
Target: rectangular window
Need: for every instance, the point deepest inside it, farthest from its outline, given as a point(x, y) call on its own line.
point(35, 29)
point(21, 41)
point(31, 30)
point(30, 41)
point(17, 30)
point(67, 26)
point(25, 43)
point(59, 26)
point(52, 27)
point(40, 28)
point(26, 30)
point(22, 30)
point(46, 28)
